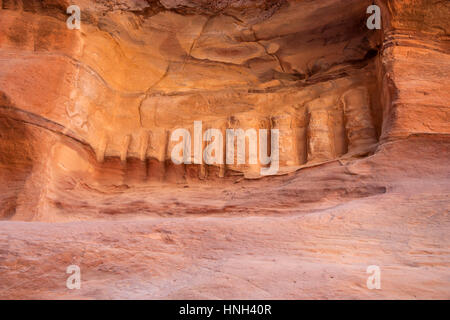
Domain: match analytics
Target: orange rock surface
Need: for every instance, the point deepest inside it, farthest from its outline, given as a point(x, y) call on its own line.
point(86, 176)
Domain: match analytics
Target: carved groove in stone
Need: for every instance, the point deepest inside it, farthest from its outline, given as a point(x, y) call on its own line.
point(124, 148)
point(101, 149)
point(143, 145)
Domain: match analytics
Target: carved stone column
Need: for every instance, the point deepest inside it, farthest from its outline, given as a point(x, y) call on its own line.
point(358, 119)
point(292, 139)
point(320, 147)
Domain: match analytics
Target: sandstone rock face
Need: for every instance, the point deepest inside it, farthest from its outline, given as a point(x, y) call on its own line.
point(87, 116)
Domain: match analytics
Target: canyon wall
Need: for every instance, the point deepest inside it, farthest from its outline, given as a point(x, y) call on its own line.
point(138, 70)
point(86, 118)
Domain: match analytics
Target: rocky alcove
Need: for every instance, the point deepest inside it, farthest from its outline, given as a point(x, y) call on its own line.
point(86, 117)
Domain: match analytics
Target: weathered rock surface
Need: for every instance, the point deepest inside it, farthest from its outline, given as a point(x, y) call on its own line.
point(86, 177)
